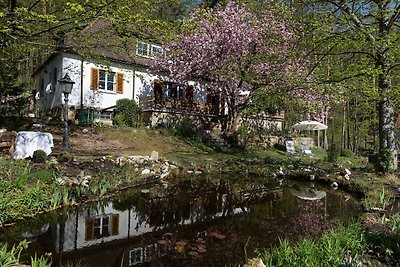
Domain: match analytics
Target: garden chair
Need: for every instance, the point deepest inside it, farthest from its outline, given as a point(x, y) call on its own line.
point(290, 147)
point(305, 149)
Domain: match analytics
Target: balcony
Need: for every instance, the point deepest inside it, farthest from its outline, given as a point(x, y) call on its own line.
point(172, 105)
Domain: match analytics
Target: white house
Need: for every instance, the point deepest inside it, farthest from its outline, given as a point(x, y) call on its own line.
point(108, 70)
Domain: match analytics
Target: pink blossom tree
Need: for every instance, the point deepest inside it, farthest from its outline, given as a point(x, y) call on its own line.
point(235, 51)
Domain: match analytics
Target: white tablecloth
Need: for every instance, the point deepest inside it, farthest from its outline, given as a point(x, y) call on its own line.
point(28, 142)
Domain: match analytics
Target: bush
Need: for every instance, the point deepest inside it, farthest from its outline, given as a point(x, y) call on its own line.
point(347, 153)
point(39, 156)
point(127, 112)
point(187, 129)
point(333, 153)
point(119, 120)
point(64, 157)
point(280, 147)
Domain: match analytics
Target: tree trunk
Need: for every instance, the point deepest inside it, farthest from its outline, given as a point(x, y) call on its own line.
point(387, 138)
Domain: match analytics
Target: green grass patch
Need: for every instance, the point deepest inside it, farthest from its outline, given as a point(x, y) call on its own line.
point(340, 247)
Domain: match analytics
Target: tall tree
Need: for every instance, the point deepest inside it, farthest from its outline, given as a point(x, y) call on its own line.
point(30, 30)
point(365, 34)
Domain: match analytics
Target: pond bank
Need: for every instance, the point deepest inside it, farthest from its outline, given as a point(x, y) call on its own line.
point(28, 189)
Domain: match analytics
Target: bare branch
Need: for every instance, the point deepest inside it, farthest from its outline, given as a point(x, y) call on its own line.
point(342, 79)
point(394, 18)
point(347, 53)
point(354, 18)
point(34, 4)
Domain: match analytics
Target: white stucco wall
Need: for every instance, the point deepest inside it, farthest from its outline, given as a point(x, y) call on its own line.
point(144, 84)
point(83, 95)
point(48, 96)
point(137, 83)
point(106, 98)
point(75, 233)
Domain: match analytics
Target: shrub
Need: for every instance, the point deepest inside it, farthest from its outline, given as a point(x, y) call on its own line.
point(64, 157)
point(39, 156)
point(347, 153)
point(280, 147)
point(333, 153)
point(187, 129)
point(119, 120)
point(127, 112)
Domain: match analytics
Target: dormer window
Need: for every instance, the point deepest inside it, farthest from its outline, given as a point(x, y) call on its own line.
point(147, 50)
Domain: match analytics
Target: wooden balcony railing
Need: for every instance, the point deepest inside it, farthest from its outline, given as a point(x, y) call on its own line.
point(149, 103)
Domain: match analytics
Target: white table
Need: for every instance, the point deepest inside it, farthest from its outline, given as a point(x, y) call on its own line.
point(28, 142)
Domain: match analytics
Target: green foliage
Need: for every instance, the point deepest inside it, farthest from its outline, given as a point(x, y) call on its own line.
point(187, 129)
point(127, 113)
point(385, 161)
point(64, 157)
point(347, 153)
point(118, 120)
point(394, 223)
point(333, 153)
point(11, 257)
point(39, 156)
point(336, 248)
point(40, 262)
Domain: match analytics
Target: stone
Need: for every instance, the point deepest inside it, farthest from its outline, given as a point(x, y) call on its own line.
point(312, 177)
point(154, 155)
point(61, 181)
point(85, 130)
point(162, 176)
point(146, 171)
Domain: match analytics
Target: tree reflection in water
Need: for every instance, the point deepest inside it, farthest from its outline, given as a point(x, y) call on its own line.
point(195, 222)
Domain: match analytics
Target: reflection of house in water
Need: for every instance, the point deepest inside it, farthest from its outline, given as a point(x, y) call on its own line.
point(133, 230)
point(97, 229)
point(146, 254)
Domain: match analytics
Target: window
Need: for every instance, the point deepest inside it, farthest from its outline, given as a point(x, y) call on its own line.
point(101, 227)
point(147, 50)
point(135, 256)
point(172, 91)
point(106, 80)
point(106, 115)
point(155, 50)
point(142, 49)
point(55, 74)
point(41, 88)
point(169, 90)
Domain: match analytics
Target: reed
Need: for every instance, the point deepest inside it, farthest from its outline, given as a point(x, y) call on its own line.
point(340, 247)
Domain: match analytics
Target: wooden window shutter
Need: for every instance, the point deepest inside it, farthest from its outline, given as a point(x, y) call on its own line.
point(115, 224)
point(89, 229)
point(94, 79)
point(158, 91)
point(189, 94)
point(120, 83)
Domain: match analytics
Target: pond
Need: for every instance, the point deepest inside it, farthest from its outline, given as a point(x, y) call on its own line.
point(191, 222)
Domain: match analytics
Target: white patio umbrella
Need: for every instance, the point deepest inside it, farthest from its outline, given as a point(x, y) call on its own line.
point(310, 126)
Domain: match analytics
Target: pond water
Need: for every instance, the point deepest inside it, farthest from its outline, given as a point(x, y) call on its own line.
point(192, 222)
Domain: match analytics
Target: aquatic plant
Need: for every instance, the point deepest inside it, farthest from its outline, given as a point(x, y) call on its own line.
point(40, 262)
point(9, 257)
point(336, 248)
